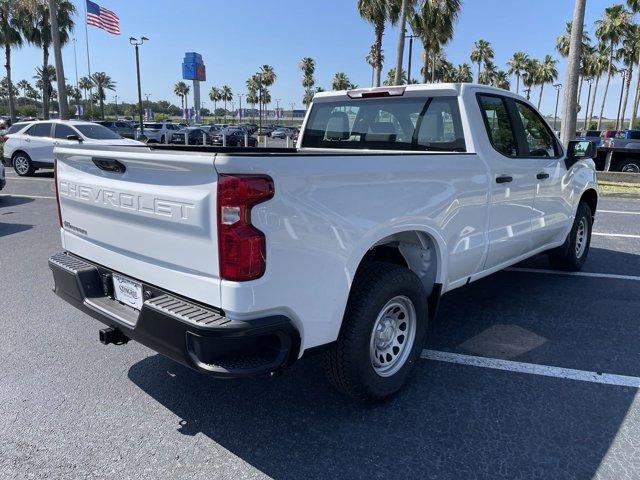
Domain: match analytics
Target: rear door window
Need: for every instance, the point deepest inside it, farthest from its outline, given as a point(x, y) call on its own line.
point(414, 124)
point(40, 130)
point(498, 125)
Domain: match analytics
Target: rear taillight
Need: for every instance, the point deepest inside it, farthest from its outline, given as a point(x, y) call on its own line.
point(241, 246)
point(55, 182)
point(5, 138)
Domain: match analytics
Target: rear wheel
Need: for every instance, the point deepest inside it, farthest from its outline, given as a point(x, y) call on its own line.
point(382, 333)
point(22, 164)
point(572, 254)
point(629, 166)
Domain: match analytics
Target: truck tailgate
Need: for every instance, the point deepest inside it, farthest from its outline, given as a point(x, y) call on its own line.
point(154, 221)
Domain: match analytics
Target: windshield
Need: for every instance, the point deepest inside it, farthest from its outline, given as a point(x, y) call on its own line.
point(97, 132)
point(420, 124)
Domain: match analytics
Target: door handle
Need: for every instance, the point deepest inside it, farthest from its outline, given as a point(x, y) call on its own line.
point(27, 139)
point(542, 175)
point(504, 179)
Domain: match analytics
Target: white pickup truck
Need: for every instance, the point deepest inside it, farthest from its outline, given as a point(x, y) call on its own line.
point(238, 262)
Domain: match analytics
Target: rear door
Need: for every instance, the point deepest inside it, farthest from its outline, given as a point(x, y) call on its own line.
point(513, 185)
point(38, 142)
point(147, 214)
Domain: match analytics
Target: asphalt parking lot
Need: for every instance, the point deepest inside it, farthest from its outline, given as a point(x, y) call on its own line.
point(527, 374)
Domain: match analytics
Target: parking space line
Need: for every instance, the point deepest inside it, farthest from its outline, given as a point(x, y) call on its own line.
point(532, 368)
point(30, 179)
point(617, 211)
point(24, 196)
point(621, 235)
point(575, 274)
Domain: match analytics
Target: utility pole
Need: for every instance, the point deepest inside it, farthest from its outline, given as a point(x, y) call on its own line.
point(410, 37)
point(116, 98)
point(240, 95)
point(278, 100)
point(134, 41)
point(570, 103)
point(624, 76)
point(293, 106)
point(558, 87)
point(63, 105)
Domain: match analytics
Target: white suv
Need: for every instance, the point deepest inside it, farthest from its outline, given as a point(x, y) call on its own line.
point(31, 146)
point(158, 132)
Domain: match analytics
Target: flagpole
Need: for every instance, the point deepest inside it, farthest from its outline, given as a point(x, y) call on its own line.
point(86, 36)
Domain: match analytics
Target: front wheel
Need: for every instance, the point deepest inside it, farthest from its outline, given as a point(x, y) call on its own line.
point(382, 333)
point(572, 254)
point(23, 165)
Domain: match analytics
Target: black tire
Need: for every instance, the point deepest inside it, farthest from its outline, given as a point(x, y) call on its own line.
point(162, 139)
point(629, 166)
point(22, 164)
point(349, 363)
point(569, 256)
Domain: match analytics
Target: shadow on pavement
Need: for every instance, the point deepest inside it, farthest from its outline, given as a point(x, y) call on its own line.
point(46, 173)
point(11, 201)
point(600, 260)
point(7, 229)
point(451, 422)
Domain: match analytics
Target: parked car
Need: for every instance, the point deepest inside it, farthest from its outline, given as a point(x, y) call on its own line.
point(592, 136)
point(158, 132)
point(196, 136)
point(606, 134)
point(621, 153)
point(31, 147)
point(3, 181)
point(624, 139)
point(122, 128)
point(282, 132)
point(264, 131)
point(234, 138)
point(344, 246)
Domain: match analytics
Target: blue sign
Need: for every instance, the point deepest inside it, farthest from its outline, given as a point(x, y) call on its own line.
point(193, 67)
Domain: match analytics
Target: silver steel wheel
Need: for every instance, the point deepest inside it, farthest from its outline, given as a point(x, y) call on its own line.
point(21, 165)
point(581, 238)
point(392, 337)
point(631, 168)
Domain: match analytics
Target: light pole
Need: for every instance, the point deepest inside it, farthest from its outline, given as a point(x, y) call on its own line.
point(293, 105)
point(558, 87)
point(410, 37)
point(240, 95)
point(624, 76)
point(586, 111)
point(278, 100)
point(116, 98)
point(136, 43)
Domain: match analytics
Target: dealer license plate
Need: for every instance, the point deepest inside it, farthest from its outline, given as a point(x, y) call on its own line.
point(127, 291)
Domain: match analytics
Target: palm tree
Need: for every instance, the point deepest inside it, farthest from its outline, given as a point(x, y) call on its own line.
point(102, 82)
point(464, 75)
point(628, 54)
point(391, 77)
point(530, 75)
point(610, 29)
point(43, 79)
point(547, 73)
point(516, 65)
point(488, 73)
point(85, 84)
point(11, 13)
point(181, 89)
point(226, 95)
point(308, 67)
point(433, 23)
point(501, 80)
point(23, 85)
point(596, 65)
point(265, 77)
point(253, 97)
point(634, 6)
point(375, 12)
point(562, 41)
point(370, 59)
point(340, 81)
point(215, 95)
point(482, 53)
point(38, 33)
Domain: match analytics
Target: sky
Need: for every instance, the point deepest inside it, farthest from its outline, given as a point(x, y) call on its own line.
point(236, 38)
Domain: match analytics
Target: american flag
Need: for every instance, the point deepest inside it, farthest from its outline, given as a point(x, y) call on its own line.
point(102, 18)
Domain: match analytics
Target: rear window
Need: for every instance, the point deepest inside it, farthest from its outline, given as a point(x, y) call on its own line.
point(592, 133)
point(16, 127)
point(97, 132)
point(153, 126)
point(416, 124)
point(633, 134)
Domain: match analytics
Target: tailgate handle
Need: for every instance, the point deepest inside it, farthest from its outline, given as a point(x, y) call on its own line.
point(109, 165)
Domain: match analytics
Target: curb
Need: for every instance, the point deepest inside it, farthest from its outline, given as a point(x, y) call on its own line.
point(619, 178)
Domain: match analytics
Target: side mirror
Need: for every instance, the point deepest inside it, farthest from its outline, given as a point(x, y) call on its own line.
point(75, 138)
point(580, 149)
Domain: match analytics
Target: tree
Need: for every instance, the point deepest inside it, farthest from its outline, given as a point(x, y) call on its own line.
point(627, 54)
point(102, 82)
point(562, 41)
point(376, 13)
point(252, 94)
point(610, 29)
point(464, 75)
point(23, 85)
point(340, 81)
point(181, 89)
point(402, 31)
point(226, 95)
point(215, 95)
point(530, 75)
point(482, 53)
point(569, 107)
point(547, 73)
point(43, 78)
point(308, 67)
point(38, 32)
point(433, 22)
point(391, 77)
point(488, 73)
point(634, 6)
point(11, 12)
point(595, 65)
point(517, 65)
point(56, 39)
